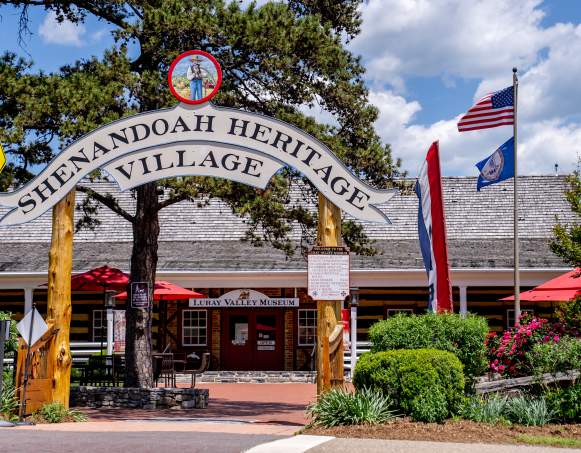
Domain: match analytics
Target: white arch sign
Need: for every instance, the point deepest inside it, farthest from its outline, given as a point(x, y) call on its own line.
point(195, 140)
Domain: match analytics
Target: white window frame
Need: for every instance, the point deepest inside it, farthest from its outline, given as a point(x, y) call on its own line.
point(510, 312)
point(394, 311)
point(305, 327)
point(102, 327)
point(205, 327)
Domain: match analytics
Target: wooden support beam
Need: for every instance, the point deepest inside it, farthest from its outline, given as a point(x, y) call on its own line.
point(329, 356)
point(60, 267)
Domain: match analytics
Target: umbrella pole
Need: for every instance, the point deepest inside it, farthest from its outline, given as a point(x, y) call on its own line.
point(104, 312)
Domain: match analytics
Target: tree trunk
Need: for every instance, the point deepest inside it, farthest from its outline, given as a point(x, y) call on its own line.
point(139, 371)
point(329, 369)
point(58, 309)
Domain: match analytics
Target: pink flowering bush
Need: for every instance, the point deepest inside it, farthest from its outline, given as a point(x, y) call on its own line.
point(507, 354)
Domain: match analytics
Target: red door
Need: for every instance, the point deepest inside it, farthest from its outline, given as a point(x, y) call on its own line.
point(236, 341)
point(252, 340)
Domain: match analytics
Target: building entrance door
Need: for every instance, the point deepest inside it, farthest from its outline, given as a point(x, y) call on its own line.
point(252, 340)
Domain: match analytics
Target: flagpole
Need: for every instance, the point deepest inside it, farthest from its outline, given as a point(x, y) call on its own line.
point(515, 204)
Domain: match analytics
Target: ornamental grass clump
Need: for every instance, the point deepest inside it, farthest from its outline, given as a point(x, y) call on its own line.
point(339, 407)
point(529, 411)
point(489, 409)
point(57, 413)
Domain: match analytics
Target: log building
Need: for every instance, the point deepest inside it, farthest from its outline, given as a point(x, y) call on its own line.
point(202, 248)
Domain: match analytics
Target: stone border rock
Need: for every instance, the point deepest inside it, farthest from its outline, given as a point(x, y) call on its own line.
point(137, 398)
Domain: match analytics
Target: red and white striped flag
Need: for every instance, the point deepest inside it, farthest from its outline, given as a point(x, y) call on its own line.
point(493, 110)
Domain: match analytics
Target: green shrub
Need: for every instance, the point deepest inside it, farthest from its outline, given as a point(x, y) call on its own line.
point(566, 403)
point(57, 413)
point(12, 344)
point(340, 407)
point(529, 411)
point(426, 384)
point(489, 409)
point(556, 357)
point(463, 337)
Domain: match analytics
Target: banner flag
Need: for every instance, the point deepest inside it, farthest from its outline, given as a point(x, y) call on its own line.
point(432, 232)
point(498, 166)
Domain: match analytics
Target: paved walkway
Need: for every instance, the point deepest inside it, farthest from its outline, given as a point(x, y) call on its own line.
point(406, 446)
point(282, 404)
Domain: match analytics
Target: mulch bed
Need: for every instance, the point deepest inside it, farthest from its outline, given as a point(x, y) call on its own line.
point(449, 431)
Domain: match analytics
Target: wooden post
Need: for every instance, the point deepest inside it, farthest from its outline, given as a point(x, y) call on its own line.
point(60, 267)
point(329, 372)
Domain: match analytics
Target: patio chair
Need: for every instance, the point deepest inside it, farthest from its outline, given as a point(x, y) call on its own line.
point(167, 372)
point(204, 365)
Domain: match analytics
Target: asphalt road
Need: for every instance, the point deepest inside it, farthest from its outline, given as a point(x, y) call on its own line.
point(20, 441)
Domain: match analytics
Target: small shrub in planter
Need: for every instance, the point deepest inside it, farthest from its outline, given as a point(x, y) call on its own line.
point(341, 407)
point(464, 337)
point(426, 384)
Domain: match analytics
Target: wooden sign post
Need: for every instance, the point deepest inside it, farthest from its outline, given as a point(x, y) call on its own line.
point(60, 267)
point(329, 327)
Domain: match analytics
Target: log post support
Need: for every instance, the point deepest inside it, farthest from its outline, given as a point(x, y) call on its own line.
point(60, 266)
point(329, 353)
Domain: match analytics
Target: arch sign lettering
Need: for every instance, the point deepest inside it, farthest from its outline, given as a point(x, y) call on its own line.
point(195, 139)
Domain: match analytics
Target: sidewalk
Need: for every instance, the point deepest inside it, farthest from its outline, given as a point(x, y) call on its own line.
point(322, 444)
point(282, 404)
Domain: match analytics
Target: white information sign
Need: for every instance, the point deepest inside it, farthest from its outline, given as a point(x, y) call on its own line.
point(245, 298)
point(328, 273)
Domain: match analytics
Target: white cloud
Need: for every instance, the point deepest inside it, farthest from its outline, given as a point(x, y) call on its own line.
point(465, 38)
point(64, 33)
point(455, 39)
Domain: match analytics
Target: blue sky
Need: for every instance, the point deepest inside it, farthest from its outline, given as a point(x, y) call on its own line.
point(427, 61)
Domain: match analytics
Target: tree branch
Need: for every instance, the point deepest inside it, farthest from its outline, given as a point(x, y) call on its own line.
point(172, 200)
point(107, 201)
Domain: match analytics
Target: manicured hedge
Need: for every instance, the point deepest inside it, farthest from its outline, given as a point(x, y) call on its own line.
point(426, 384)
point(464, 337)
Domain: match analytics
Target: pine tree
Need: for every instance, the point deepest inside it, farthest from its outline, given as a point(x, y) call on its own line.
point(276, 59)
point(567, 241)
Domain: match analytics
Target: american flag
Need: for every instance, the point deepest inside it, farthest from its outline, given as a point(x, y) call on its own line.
point(494, 109)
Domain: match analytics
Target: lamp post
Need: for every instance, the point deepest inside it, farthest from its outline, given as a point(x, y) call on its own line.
point(354, 303)
point(109, 305)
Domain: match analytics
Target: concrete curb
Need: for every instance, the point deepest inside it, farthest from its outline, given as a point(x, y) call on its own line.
point(296, 444)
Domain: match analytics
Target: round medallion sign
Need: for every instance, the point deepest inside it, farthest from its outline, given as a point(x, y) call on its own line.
point(194, 77)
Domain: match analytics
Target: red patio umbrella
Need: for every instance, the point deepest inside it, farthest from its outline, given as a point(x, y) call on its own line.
point(100, 279)
point(564, 288)
point(167, 291)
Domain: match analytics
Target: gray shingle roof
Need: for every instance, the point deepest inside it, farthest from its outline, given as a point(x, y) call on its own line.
point(208, 238)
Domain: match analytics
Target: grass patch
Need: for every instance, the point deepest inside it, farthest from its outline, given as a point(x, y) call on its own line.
point(556, 441)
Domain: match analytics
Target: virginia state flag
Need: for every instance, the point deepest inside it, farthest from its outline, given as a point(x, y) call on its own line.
point(498, 166)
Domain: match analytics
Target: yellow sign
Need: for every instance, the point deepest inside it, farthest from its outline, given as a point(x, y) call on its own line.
point(2, 159)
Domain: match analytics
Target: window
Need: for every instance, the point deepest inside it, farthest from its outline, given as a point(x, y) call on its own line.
point(510, 316)
point(194, 327)
point(307, 327)
point(394, 311)
point(99, 325)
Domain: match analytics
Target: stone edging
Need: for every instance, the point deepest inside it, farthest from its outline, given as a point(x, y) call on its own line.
point(138, 398)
